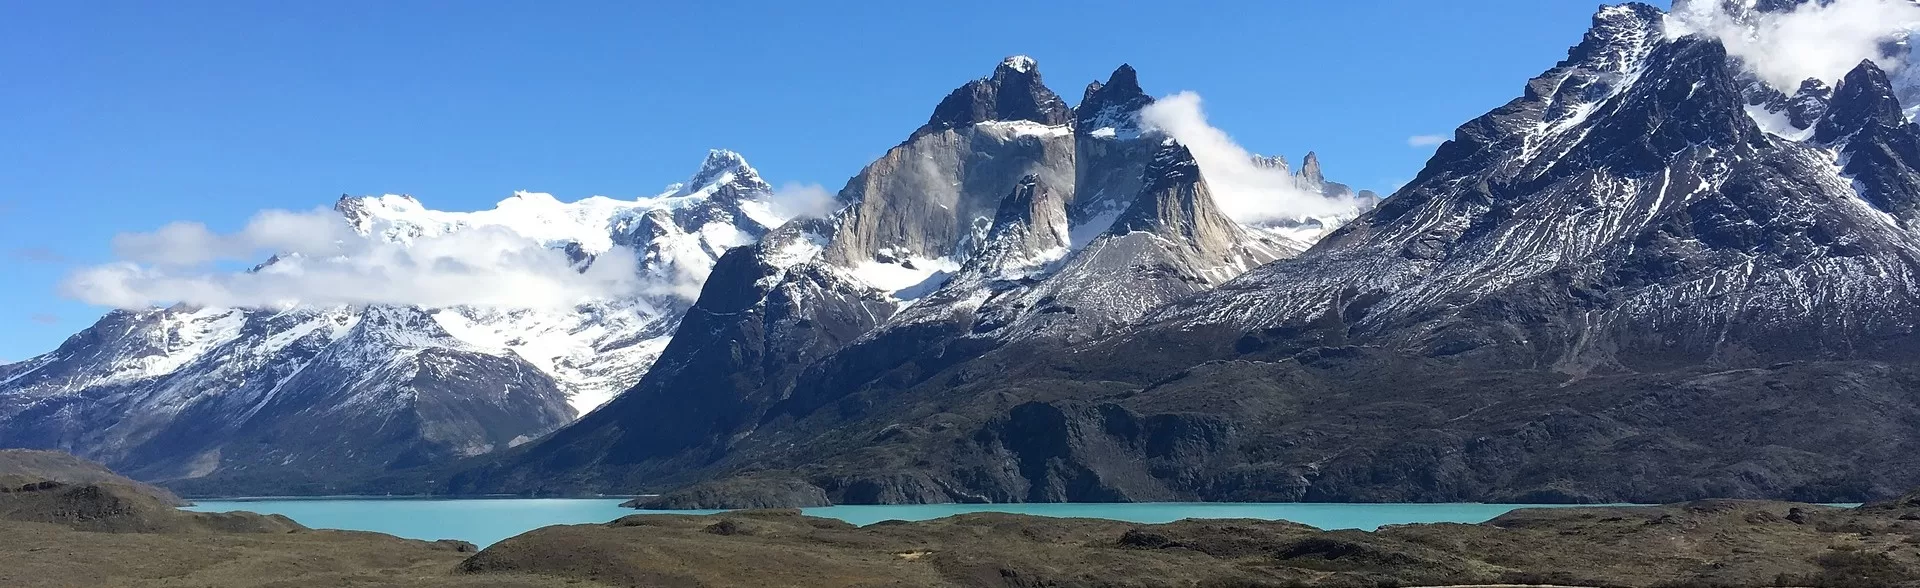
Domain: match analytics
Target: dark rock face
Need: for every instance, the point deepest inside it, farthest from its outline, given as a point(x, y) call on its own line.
point(1114, 104)
point(931, 196)
point(1013, 93)
point(1881, 149)
point(1110, 153)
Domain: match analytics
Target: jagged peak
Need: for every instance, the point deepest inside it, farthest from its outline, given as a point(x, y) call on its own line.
point(1113, 105)
point(1278, 162)
point(1029, 232)
point(722, 167)
point(1019, 64)
point(1864, 97)
point(1310, 172)
point(1172, 164)
point(1015, 92)
point(1176, 203)
point(1619, 32)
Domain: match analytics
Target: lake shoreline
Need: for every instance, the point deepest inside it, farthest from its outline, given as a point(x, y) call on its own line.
point(484, 521)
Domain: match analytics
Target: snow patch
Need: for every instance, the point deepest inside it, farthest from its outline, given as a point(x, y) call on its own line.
point(906, 279)
point(1025, 128)
point(1777, 123)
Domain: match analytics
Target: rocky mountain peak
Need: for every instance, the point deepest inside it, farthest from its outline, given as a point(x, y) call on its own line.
point(1176, 203)
point(1015, 92)
point(1310, 174)
point(1864, 97)
point(1618, 35)
point(726, 168)
point(1113, 105)
point(1029, 232)
point(1808, 105)
point(1879, 149)
point(1016, 64)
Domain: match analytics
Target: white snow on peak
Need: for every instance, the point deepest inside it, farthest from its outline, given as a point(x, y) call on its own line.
point(1024, 128)
point(534, 215)
point(1020, 63)
point(721, 167)
point(175, 340)
point(592, 351)
point(598, 350)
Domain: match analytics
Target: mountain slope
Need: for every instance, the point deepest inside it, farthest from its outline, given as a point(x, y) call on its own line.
point(298, 399)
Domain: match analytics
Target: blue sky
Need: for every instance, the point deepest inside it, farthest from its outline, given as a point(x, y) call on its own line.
point(123, 116)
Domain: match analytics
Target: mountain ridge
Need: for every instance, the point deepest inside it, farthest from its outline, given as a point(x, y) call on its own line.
point(326, 394)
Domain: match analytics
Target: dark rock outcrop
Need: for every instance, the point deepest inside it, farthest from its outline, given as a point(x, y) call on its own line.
point(1014, 92)
point(740, 492)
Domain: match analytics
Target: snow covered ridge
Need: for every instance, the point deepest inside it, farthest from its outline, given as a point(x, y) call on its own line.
point(587, 292)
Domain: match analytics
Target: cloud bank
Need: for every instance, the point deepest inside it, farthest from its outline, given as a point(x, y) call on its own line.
point(1814, 41)
point(1426, 140)
point(1247, 192)
point(318, 260)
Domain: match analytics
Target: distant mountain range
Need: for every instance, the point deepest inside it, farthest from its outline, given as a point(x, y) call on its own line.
point(304, 397)
point(1652, 277)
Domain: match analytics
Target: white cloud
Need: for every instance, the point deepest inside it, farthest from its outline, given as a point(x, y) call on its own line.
point(1815, 40)
point(1426, 140)
point(798, 200)
point(1248, 193)
point(323, 262)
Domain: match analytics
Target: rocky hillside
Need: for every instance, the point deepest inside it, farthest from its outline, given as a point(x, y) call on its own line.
point(21, 467)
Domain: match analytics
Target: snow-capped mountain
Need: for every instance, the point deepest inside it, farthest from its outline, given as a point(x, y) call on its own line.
point(1006, 217)
point(1662, 186)
point(305, 394)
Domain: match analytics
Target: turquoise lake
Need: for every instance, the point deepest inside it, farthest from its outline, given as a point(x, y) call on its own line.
point(486, 521)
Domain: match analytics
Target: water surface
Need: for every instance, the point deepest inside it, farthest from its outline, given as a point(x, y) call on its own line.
point(486, 521)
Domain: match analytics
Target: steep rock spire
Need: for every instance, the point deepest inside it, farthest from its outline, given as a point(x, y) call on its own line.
point(1114, 105)
point(1029, 230)
point(1175, 203)
point(1311, 177)
point(1014, 92)
point(1881, 150)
